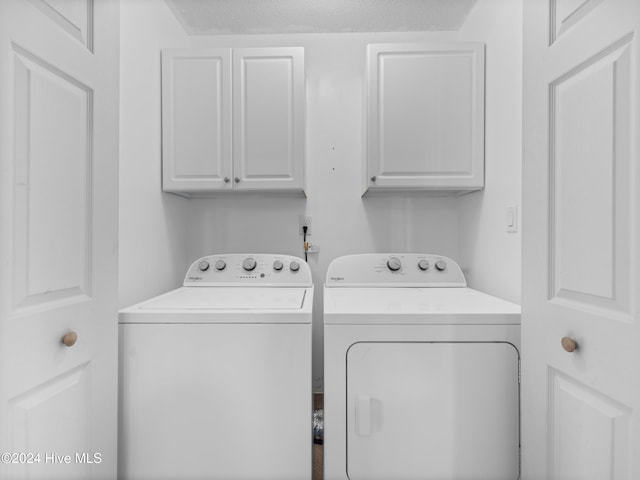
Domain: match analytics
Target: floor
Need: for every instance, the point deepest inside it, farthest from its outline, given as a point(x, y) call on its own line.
point(317, 462)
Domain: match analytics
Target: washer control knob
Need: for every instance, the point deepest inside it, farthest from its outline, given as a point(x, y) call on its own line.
point(441, 265)
point(249, 264)
point(221, 265)
point(294, 266)
point(423, 265)
point(394, 264)
point(203, 266)
point(278, 265)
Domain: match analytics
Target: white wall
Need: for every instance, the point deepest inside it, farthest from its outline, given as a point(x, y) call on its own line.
point(489, 256)
point(153, 225)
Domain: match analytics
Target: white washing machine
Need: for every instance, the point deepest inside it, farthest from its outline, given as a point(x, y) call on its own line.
point(215, 377)
point(421, 373)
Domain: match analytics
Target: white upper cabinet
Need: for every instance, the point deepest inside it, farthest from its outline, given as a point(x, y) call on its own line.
point(425, 116)
point(233, 119)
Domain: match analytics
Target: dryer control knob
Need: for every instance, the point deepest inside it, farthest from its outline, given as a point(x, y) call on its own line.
point(394, 264)
point(294, 266)
point(249, 264)
point(441, 265)
point(203, 266)
point(423, 265)
point(278, 265)
point(221, 265)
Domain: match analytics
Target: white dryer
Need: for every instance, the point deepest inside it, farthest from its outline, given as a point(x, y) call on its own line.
point(215, 377)
point(421, 373)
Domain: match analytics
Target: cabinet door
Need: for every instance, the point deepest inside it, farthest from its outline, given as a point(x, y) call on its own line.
point(268, 118)
point(196, 120)
point(432, 411)
point(426, 116)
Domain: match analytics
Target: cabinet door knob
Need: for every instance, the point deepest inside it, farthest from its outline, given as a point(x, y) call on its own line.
point(569, 344)
point(70, 339)
point(373, 179)
point(237, 179)
point(226, 179)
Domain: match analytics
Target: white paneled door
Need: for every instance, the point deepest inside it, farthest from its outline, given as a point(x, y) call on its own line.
point(581, 407)
point(58, 238)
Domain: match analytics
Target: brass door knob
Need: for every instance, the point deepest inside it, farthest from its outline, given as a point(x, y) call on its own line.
point(70, 339)
point(569, 344)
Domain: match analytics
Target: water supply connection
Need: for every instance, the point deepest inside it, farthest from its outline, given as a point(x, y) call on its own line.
point(305, 231)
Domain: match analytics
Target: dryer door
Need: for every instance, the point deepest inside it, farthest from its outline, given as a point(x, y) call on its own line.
point(441, 410)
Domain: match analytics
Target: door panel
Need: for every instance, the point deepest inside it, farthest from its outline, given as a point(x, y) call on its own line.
point(590, 166)
point(580, 408)
point(73, 16)
point(421, 113)
point(42, 414)
point(590, 432)
point(53, 113)
point(567, 13)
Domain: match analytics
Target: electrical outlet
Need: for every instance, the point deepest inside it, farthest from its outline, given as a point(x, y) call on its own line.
point(314, 247)
point(305, 220)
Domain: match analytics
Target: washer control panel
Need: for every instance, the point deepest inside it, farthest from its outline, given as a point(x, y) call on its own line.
point(395, 270)
point(249, 270)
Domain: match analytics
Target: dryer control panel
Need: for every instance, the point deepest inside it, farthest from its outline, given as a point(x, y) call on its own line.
point(395, 270)
point(250, 269)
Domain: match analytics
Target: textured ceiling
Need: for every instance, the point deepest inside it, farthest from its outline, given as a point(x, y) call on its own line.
point(212, 17)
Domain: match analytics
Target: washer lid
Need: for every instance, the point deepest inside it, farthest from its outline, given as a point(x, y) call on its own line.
point(228, 298)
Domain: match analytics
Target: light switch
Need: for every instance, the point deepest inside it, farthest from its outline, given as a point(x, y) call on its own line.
point(512, 219)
